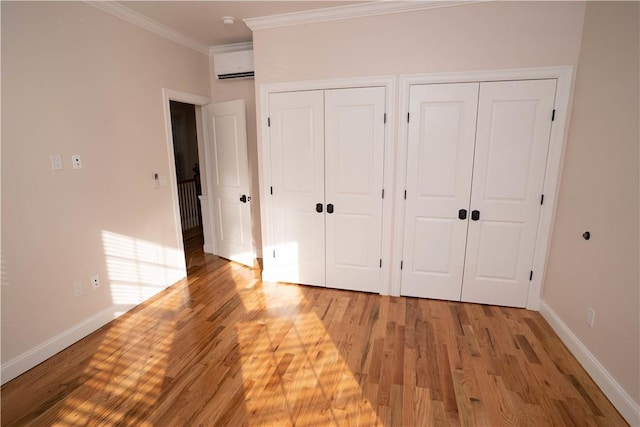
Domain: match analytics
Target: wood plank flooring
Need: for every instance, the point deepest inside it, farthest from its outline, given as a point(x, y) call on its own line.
point(223, 348)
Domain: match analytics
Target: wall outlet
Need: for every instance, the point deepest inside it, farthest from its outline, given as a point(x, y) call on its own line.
point(591, 317)
point(78, 291)
point(76, 161)
point(95, 282)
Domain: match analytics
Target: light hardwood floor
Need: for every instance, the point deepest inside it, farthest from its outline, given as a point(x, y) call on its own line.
point(223, 348)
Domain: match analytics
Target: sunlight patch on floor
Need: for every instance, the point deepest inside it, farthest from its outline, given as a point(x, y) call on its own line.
point(130, 363)
point(308, 381)
point(134, 376)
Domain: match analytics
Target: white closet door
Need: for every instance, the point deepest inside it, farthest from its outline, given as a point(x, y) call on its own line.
point(514, 124)
point(354, 150)
point(297, 180)
point(230, 171)
point(439, 166)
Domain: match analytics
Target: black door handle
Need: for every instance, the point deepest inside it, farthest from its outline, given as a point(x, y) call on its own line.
point(475, 215)
point(462, 214)
point(319, 207)
point(330, 208)
point(243, 198)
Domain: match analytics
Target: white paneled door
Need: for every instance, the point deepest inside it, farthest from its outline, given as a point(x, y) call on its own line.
point(327, 153)
point(475, 172)
point(512, 141)
point(439, 167)
point(296, 136)
point(230, 182)
point(354, 159)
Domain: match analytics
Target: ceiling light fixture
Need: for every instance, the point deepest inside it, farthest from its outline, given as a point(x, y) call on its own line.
point(228, 20)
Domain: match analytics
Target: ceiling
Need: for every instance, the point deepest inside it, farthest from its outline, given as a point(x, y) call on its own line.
point(202, 20)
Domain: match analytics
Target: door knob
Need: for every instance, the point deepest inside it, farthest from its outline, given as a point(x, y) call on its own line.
point(330, 208)
point(462, 214)
point(319, 207)
point(475, 215)
point(244, 199)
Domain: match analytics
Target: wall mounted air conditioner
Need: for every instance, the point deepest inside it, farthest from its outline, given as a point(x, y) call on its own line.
point(233, 65)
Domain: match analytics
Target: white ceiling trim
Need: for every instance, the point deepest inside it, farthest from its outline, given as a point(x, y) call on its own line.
point(349, 11)
point(148, 24)
point(226, 48)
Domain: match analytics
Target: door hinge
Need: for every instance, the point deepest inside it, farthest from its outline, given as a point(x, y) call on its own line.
point(407, 117)
point(385, 118)
point(268, 121)
point(274, 253)
point(530, 275)
point(401, 264)
point(383, 193)
point(405, 194)
point(553, 115)
point(541, 198)
point(380, 262)
point(271, 190)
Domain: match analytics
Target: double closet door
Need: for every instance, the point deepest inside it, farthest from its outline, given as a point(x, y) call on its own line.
point(325, 190)
point(475, 172)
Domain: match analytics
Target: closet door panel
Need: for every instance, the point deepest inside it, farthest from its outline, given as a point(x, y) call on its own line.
point(297, 179)
point(354, 150)
point(439, 166)
point(514, 125)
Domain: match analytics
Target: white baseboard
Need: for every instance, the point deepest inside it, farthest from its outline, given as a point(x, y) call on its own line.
point(624, 403)
point(207, 248)
point(27, 360)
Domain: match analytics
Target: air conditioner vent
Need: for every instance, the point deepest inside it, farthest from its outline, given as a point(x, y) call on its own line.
point(246, 75)
point(234, 65)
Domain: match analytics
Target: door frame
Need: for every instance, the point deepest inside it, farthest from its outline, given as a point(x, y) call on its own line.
point(555, 158)
point(264, 162)
point(201, 131)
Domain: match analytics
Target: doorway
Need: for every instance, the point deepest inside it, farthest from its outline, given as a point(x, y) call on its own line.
point(187, 167)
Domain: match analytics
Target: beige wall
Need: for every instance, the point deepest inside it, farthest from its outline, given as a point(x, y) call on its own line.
point(463, 38)
point(76, 80)
point(599, 193)
point(229, 90)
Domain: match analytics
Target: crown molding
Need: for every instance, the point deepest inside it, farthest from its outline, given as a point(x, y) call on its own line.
point(349, 11)
point(133, 17)
point(227, 48)
point(337, 13)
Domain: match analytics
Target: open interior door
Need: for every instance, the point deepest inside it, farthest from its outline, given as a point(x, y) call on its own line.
point(229, 186)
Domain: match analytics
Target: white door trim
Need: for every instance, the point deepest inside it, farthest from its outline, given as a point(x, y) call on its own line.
point(198, 101)
point(559, 130)
point(264, 166)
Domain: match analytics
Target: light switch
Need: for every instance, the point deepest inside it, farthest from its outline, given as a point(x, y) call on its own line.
point(56, 162)
point(76, 161)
